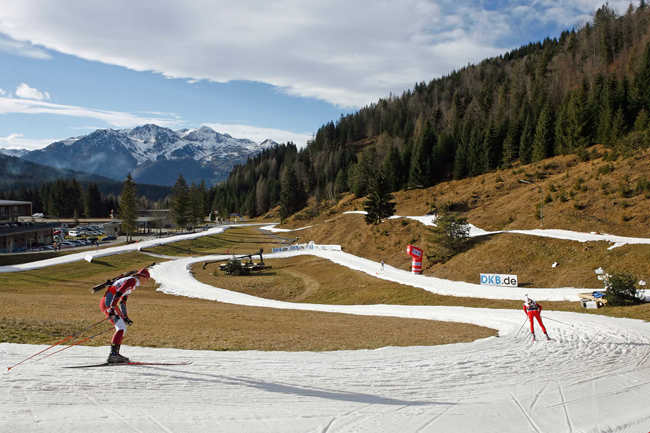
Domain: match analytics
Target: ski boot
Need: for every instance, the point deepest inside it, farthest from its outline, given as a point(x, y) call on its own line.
point(534, 337)
point(547, 337)
point(115, 357)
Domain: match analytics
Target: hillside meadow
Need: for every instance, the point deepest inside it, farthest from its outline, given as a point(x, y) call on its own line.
point(600, 194)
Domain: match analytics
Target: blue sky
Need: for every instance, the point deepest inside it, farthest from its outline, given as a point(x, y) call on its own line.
point(253, 69)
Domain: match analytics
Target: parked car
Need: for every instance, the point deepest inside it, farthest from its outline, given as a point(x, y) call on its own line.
point(109, 238)
point(38, 215)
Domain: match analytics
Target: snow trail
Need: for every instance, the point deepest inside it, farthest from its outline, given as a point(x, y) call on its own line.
point(592, 377)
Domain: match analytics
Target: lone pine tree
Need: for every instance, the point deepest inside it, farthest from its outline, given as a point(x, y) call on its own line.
point(379, 203)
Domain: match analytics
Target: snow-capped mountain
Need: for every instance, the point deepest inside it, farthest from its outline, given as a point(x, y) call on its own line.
point(14, 152)
point(152, 154)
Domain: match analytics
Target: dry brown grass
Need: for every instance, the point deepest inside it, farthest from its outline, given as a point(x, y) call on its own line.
point(597, 195)
point(44, 305)
point(498, 201)
point(235, 240)
point(593, 194)
point(318, 281)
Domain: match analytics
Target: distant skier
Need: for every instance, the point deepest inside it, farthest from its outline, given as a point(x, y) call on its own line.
point(113, 305)
point(533, 309)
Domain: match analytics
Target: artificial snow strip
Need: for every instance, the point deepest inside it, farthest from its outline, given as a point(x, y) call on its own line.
point(91, 255)
point(425, 219)
point(592, 377)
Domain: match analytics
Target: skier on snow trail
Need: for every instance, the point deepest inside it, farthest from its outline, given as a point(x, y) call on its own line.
point(113, 305)
point(533, 309)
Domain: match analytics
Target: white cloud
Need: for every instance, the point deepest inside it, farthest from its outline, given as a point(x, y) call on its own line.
point(258, 134)
point(3, 92)
point(113, 118)
point(18, 141)
point(23, 49)
point(346, 52)
point(24, 91)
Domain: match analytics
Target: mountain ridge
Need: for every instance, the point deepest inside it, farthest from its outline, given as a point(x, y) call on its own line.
point(153, 154)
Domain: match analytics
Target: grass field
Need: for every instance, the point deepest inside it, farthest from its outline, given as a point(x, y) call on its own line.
point(596, 195)
point(44, 305)
point(314, 280)
point(235, 240)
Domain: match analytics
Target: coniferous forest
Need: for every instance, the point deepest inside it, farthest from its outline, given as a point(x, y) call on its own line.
point(559, 96)
point(69, 198)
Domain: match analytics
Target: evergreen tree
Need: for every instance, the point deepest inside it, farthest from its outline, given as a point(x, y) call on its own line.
point(197, 209)
point(526, 140)
point(641, 122)
point(642, 81)
point(379, 204)
point(363, 171)
point(618, 126)
point(292, 194)
point(448, 237)
point(392, 167)
point(511, 142)
point(460, 162)
point(491, 147)
point(93, 206)
point(262, 196)
point(604, 132)
point(420, 170)
point(476, 155)
point(249, 204)
point(543, 141)
point(180, 204)
point(341, 182)
point(128, 207)
point(577, 122)
point(73, 199)
point(407, 152)
point(443, 157)
point(562, 131)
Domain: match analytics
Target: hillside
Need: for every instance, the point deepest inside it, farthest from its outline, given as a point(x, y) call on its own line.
point(551, 98)
point(598, 195)
point(16, 172)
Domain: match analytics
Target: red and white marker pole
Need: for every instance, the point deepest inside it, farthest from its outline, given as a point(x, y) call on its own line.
point(416, 254)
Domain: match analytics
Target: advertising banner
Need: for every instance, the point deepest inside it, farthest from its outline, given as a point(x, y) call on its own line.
point(499, 280)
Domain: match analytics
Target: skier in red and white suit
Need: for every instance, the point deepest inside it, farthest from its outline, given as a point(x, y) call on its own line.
point(113, 305)
point(533, 309)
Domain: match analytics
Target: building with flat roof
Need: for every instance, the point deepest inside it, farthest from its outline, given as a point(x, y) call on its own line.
point(16, 236)
point(10, 210)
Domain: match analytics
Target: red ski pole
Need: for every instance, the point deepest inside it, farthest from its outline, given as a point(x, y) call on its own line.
point(76, 343)
point(61, 341)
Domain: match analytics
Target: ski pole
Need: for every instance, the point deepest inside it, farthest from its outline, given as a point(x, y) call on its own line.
point(522, 325)
point(76, 343)
point(558, 321)
point(63, 340)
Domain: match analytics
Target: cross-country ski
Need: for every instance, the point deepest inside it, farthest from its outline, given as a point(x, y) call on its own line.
point(117, 364)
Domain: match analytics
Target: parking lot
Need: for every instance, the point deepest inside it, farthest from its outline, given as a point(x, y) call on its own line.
point(81, 236)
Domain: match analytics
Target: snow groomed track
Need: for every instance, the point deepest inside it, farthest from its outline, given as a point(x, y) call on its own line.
point(594, 376)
